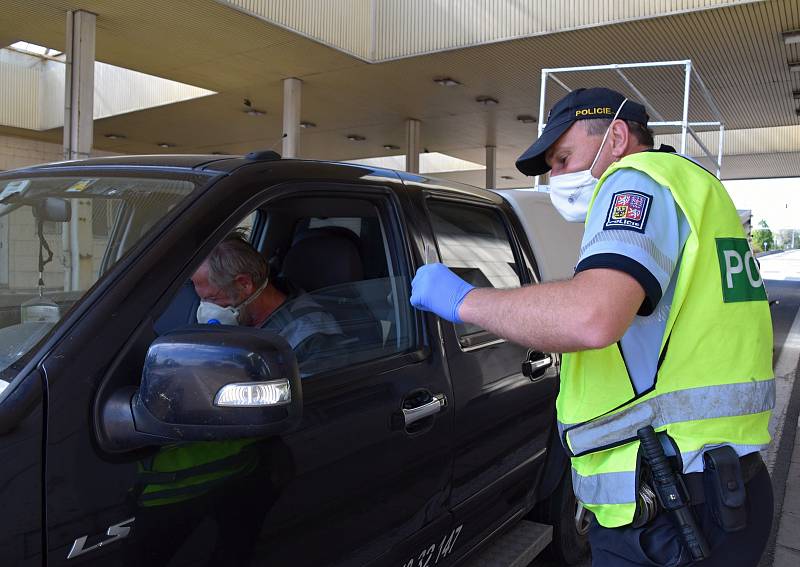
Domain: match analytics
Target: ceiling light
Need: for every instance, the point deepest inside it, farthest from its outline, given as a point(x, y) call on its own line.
point(506, 177)
point(791, 37)
point(794, 67)
point(355, 138)
point(115, 136)
point(390, 147)
point(526, 119)
point(165, 145)
point(486, 100)
point(446, 82)
point(307, 125)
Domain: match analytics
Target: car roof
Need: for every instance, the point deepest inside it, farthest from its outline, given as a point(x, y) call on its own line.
point(214, 163)
point(157, 160)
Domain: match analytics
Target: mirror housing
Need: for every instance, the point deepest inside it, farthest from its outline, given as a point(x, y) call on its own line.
point(207, 383)
point(53, 209)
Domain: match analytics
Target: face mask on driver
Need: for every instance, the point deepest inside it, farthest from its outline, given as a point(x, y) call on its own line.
point(572, 192)
point(211, 313)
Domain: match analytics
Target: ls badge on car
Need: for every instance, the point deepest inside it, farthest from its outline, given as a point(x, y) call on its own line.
point(115, 532)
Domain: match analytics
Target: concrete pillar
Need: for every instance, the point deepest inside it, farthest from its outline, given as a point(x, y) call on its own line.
point(79, 88)
point(81, 245)
point(78, 137)
point(292, 91)
point(413, 145)
point(491, 167)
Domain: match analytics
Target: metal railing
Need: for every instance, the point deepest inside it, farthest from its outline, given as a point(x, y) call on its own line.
point(687, 127)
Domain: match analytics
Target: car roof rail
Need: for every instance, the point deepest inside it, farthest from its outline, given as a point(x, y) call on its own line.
point(263, 155)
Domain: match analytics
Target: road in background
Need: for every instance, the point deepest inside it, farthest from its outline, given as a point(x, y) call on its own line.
point(786, 330)
point(781, 266)
point(786, 325)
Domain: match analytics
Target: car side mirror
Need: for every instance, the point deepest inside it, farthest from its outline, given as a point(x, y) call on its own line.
point(207, 383)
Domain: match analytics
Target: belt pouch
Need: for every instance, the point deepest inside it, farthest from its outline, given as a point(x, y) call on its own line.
point(724, 488)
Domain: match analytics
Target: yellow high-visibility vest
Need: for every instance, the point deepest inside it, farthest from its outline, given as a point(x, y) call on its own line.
point(714, 384)
point(181, 472)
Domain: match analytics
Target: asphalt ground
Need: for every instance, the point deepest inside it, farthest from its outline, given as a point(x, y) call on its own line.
point(778, 456)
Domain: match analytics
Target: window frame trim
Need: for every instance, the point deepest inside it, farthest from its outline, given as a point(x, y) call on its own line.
point(481, 339)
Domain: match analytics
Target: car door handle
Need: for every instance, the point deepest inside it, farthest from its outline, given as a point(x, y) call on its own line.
point(437, 404)
point(534, 368)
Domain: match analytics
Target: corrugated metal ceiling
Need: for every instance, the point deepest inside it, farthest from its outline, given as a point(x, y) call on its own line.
point(739, 51)
point(382, 30)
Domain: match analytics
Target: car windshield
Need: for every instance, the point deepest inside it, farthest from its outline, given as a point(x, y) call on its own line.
point(58, 236)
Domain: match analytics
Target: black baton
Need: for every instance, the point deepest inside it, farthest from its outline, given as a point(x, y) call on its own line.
point(670, 495)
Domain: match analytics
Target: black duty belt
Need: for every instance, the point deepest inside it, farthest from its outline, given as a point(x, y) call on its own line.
point(751, 465)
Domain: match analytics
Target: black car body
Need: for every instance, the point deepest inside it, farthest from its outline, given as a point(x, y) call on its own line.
point(412, 447)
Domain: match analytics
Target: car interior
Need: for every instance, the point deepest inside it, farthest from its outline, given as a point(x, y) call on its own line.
point(340, 253)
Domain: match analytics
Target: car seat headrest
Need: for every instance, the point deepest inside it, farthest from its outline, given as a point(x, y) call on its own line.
point(323, 258)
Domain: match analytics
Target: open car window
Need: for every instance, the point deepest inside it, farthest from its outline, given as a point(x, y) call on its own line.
point(473, 242)
point(58, 236)
point(341, 270)
point(353, 301)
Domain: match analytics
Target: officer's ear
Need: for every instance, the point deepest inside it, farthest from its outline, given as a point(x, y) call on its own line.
point(619, 138)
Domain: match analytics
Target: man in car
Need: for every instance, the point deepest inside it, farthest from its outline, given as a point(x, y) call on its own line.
point(665, 324)
point(234, 287)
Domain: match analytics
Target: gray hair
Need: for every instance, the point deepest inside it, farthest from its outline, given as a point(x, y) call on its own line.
point(234, 256)
point(598, 127)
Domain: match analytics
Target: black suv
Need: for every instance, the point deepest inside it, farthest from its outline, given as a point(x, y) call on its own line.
point(130, 434)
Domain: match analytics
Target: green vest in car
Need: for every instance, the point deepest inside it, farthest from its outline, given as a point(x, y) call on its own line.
point(181, 472)
point(714, 384)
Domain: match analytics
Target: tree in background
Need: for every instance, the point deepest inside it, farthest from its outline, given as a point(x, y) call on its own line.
point(787, 238)
point(763, 239)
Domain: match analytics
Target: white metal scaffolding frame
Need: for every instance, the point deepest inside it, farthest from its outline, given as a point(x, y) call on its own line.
point(687, 127)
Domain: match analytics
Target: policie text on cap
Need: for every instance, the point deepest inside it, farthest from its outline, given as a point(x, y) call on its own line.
point(580, 104)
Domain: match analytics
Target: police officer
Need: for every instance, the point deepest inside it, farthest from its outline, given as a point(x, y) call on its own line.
point(665, 323)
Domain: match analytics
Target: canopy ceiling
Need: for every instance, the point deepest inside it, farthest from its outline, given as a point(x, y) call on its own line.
point(738, 49)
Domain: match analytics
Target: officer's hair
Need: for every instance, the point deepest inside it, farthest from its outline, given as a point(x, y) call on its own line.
point(598, 127)
point(234, 256)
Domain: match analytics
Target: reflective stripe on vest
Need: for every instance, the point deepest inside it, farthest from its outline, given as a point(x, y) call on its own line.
point(171, 495)
point(149, 476)
point(604, 488)
point(706, 402)
point(615, 487)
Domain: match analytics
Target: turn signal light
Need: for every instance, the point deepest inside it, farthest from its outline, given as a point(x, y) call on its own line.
point(254, 394)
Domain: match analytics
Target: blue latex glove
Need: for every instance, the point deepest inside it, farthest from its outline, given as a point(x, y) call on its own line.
point(435, 288)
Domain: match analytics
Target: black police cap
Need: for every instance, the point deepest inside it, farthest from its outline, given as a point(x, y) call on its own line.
point(580, 104)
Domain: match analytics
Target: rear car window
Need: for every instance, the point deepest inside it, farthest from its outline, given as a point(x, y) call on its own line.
point(473, 242)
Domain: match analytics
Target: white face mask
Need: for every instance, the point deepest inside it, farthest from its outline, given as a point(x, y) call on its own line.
point(208, 312)
point(572, 192)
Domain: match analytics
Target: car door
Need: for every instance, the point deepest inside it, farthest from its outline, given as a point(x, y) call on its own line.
point(357, 483)
point(367, 471)
point(504, 392)
point(21, 436)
